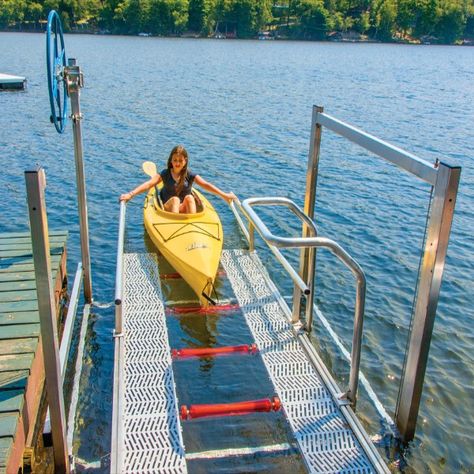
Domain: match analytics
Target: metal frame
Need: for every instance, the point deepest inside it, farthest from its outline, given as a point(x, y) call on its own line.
point(430, 278)
point(445, 182)
point(116, 458)
point(70, 317)
point(311, 243)
point(75, 81)
point(66, 340)
point(35, 185)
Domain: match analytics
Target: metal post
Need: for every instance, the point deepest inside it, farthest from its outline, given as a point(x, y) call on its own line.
point(35, 184)
point(309, 205)
point(251, 237)
point(74, 81)
point(431, 272)
point(119, 271)
point(310, 283)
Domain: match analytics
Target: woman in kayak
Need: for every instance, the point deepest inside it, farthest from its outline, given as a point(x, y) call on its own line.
point(176, 193)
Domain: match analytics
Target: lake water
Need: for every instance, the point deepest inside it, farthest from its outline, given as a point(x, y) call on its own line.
point(243, 110)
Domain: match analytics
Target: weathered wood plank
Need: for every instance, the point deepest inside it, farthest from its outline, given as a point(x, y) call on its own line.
point(8, 235)
point(18, 285)
point(26, 245)
point(25, 317)
point(25, 264)
point(8, 422)
point(18, 346)
point(20, 241)
point(15, 362)
point(18, 295)
point(5, 448)
point(12, 277)
point(19, 331)
point(13, 380)
point(12, 306)
point(16, 253)
point(11, 400)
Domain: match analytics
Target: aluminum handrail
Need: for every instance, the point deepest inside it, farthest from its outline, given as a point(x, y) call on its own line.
point(413, 164)
point(119, 270)
point(239, 220)
point(249, 235)
point(315, 242)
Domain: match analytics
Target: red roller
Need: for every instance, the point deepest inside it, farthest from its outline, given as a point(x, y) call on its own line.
point(170, 276)
point(230, 409)
point(200, 310)
point(176, 275)
point(213, 351)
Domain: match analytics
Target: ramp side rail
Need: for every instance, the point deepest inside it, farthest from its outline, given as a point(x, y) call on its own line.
point(117, 428)
point(306, 287)
point(119, 272)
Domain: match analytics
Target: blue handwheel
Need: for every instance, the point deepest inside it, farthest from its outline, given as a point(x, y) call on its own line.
point(55, 63)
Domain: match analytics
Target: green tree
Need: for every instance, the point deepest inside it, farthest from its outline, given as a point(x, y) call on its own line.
point(196, 15)
point(34, 12)
point(10, 13)
point(426, 17)
point(313, 19)
point(451, 21)
point(385, 19)
point(406, 15)
point(362, 24)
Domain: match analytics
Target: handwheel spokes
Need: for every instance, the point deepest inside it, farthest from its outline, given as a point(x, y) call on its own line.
point(55, 62)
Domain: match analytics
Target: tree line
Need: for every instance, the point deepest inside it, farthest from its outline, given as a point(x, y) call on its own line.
point(443, 21)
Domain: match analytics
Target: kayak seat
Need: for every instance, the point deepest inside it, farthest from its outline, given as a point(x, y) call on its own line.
point(199, 206)
point(157, 199)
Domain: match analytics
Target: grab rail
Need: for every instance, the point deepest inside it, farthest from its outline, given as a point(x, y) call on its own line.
point(249, 235)
point(311, 243)
point(119, 270)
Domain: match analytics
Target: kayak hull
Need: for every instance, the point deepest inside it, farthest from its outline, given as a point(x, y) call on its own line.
point(191, 243)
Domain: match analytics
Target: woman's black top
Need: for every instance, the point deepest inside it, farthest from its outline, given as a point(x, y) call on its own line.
point(169, 185)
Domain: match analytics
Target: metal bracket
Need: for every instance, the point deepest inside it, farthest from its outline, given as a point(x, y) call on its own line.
point(73, 76)
point(343, 399)
point(76, 117)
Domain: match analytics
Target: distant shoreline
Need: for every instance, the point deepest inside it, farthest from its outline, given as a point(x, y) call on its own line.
point(191, 35)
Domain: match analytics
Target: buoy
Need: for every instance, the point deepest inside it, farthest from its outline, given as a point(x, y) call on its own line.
point(213, 351)
point(230, 409)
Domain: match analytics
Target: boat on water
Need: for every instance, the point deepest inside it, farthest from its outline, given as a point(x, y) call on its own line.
point(191, 243)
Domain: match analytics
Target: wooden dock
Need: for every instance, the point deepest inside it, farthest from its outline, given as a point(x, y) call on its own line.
point(9, 82)
point(21, 356)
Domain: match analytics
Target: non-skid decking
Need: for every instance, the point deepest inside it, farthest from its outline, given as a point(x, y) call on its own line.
point(150, 437)
point(21, 361)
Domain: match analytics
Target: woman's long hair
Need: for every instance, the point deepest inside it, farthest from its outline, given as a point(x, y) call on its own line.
point(179, 150)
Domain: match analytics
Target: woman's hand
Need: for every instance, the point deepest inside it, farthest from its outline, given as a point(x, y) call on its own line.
point(126, 197)
point(229, 197)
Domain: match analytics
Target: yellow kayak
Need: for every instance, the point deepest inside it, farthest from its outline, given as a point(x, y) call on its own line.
point(191, 243)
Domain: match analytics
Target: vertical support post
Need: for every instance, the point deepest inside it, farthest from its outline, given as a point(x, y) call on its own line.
point(119, 272)
point(35, 184)
point(251, 237)
point(74, 80)
point(310, 283)
point(309, 205)
point(431, 273)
